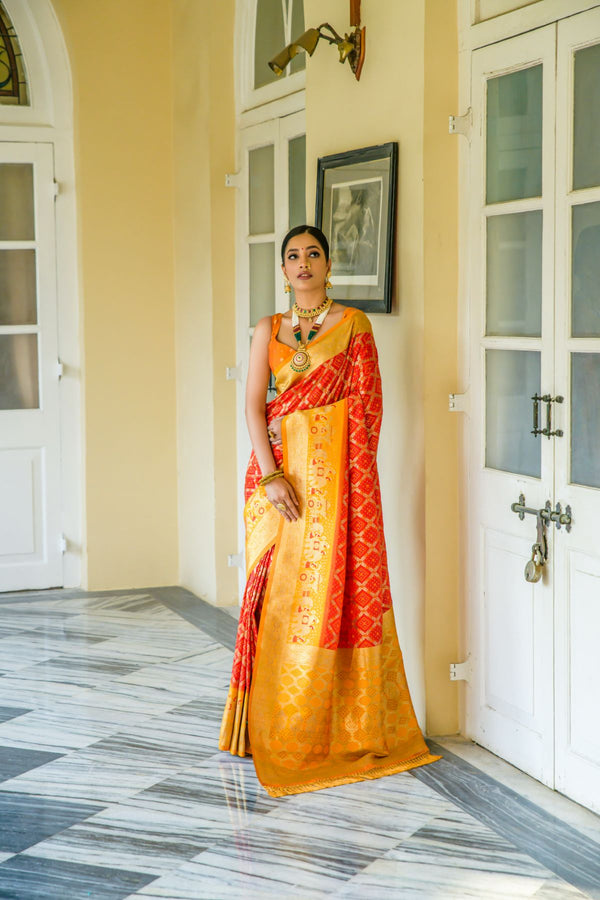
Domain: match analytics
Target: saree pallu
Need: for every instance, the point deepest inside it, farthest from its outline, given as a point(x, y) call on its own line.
point(318, 692)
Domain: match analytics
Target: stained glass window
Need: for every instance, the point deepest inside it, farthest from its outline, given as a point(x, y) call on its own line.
point(278, 22)
point(13, 83)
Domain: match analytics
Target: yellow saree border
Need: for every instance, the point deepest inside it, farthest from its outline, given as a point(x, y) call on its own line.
point(323, 347)
point(320, 717)
point(262, 522)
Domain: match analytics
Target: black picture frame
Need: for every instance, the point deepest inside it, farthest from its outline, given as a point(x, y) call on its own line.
point(356, 210)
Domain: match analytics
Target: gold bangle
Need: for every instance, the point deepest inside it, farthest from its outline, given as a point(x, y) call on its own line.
point(278, 473)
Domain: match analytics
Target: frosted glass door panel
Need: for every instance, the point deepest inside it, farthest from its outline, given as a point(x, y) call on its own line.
point(512, 378)
point(297, 180)
point(17, 287)
point(262, 199)
point(586, 131)
point(16, 202)
point(514, 136)
point(585, 419)
point(262, 281)
point(514, 274)
point(19, 371)
point(585, 307)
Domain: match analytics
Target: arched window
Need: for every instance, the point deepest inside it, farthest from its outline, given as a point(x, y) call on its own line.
point(13, 81)
point(277, 23)
point(264, 27)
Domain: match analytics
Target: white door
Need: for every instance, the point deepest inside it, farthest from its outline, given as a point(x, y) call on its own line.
point(272, 185)
point(30, 547)
point(510, 705)
point(534, 245)
point(577, 472)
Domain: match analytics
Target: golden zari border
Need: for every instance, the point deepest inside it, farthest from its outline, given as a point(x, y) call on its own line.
point(262, 522)
point(326, 345)
point(333, 716)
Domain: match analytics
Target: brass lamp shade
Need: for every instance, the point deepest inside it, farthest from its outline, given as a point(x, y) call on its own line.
point(351, 47)
point(307, 41)
point(279, 62)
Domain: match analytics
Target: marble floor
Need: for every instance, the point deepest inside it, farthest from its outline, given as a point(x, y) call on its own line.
point(111, 786)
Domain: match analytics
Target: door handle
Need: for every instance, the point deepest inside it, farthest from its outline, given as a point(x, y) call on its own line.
point(548, 400)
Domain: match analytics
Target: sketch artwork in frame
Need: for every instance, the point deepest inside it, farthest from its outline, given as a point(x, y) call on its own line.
point(356, 201)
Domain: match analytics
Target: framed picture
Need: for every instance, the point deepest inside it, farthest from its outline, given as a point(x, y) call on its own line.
point(356, 201)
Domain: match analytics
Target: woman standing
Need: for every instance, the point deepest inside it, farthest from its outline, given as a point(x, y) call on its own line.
point(318, 684)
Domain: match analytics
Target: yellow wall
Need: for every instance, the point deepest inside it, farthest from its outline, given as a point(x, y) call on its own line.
point(440, 249)
point(403, 95)
point(120, 64)
point(204, 150)
point(155, 135)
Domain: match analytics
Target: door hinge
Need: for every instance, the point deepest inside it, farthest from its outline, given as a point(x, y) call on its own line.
point(460, 671)
point(233, 179)
point(62, 544)
point(235, 560)
point(233, 373)
point(59, 369)
point(55, 188)
point(458, 402)
point(461, 124)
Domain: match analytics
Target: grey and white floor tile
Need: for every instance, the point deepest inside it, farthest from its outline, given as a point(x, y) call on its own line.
point(112, 787)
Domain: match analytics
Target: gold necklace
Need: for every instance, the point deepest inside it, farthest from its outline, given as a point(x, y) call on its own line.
point(311, 313)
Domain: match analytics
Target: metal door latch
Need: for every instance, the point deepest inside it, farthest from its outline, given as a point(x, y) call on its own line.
point(546, 513)
point(534, 567)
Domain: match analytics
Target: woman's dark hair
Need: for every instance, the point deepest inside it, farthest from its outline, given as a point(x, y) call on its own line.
point(305, 229)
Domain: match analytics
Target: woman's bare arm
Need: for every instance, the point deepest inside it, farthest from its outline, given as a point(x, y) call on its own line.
point(279, 491)
point(256, 396)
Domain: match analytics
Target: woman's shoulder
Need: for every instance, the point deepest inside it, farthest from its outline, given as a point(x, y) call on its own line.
point(360, 321)
point(264, 328)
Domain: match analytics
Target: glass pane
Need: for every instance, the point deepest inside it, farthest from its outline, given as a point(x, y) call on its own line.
point(262, 281)
point(17, 287)
point(586, 127)
point(514, 274)
point(585, 418)
point(297, 181)
point(585, 307)
point(262, 186)
point(299, 61)
point(269, 39)
point(16, 202)
point(19, 371)
point(514, 136)
point(513, 377)
point(13, 83)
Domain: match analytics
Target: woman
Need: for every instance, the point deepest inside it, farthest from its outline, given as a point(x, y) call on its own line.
point(318, 684)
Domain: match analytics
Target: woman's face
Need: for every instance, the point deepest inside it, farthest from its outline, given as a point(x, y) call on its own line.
point(305, 265)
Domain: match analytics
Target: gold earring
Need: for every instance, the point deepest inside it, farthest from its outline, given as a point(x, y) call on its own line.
point(328, 283)
point(287, 287)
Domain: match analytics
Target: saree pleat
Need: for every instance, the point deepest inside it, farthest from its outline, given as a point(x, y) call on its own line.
point(234, 726)
point(319, 690)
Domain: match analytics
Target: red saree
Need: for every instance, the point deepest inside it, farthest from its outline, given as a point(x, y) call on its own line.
point(318, 689)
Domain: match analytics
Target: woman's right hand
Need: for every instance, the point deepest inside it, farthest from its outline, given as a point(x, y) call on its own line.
point(281, 494)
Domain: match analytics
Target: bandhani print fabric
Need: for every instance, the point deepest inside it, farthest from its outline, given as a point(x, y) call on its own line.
point(318, 693)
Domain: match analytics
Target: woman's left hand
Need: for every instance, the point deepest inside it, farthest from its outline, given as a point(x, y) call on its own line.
point(274, 431)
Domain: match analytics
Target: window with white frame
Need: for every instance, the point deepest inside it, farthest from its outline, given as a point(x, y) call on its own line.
point(267, 26)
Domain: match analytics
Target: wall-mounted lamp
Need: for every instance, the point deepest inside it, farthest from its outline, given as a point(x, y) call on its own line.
point(351, 47)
